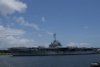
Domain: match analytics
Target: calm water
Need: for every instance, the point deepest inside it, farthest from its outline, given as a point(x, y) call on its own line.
point(49, 61)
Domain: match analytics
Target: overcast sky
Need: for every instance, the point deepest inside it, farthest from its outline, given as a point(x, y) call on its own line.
point(32, 23)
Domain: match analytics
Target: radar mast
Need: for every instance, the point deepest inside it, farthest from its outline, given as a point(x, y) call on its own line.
point(54, 35)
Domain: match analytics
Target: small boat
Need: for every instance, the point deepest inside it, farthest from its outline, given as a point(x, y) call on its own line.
point(97, 64)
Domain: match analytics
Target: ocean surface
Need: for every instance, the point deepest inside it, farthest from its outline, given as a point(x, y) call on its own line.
point(49, 61)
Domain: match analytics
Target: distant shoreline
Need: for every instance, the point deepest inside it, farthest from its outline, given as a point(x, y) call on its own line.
point(5, 54)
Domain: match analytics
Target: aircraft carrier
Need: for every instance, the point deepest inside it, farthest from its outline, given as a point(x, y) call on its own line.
point(55, 48)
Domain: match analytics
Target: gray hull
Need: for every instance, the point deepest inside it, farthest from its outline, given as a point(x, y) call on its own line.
point(53, 54)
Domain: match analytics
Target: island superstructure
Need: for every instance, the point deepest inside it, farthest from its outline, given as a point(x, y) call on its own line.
point(55, 48)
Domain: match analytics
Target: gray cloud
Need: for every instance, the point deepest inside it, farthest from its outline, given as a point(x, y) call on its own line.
point(74, 44)
point(8, 7)
point(43, 19)
point(10, 37)
point(24, 22)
